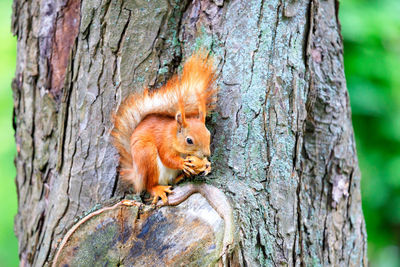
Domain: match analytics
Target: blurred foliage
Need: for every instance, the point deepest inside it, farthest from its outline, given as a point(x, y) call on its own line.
point(371, 33)
point(8, 194)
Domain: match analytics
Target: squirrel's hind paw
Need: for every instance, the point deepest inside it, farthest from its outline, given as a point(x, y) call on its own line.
point(160, 191)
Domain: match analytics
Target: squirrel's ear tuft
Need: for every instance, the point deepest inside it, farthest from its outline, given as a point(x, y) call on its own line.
point(202, 116)
point(180, 119)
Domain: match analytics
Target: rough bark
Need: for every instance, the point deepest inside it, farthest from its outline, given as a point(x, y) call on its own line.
point(283, 145)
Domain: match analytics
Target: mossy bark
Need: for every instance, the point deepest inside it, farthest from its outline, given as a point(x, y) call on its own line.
point(283, 145)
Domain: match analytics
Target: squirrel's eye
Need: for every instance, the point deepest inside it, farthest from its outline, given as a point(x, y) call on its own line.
point(189, 141)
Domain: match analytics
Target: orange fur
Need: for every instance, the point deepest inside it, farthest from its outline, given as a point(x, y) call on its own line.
point(145, 126)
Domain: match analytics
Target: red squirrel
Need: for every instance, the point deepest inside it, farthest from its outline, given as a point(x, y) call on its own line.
point(161, 133)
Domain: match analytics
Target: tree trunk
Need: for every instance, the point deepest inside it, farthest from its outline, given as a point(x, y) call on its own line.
point(283, 145)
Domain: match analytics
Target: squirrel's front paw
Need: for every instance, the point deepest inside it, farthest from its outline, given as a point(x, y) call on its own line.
point(207, 167)
point(188, 167)
point(194, 165)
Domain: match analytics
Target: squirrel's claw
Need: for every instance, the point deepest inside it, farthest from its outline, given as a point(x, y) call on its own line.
point(160, 191)
point(194, 165)
point(207, 169)
point(188, 170)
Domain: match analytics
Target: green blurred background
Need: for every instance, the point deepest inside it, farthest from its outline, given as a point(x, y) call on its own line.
point(8, 194)
point(371, 32)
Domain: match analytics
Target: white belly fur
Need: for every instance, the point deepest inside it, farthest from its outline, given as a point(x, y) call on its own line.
point(166, 175)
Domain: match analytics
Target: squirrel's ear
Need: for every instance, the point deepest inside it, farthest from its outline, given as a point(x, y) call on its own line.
point(180, 119)
point(202, 116)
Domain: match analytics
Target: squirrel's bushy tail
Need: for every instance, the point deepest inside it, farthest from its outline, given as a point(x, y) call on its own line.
point(195, 88)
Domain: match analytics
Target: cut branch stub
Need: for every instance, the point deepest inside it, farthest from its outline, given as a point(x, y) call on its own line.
point(133, 234)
